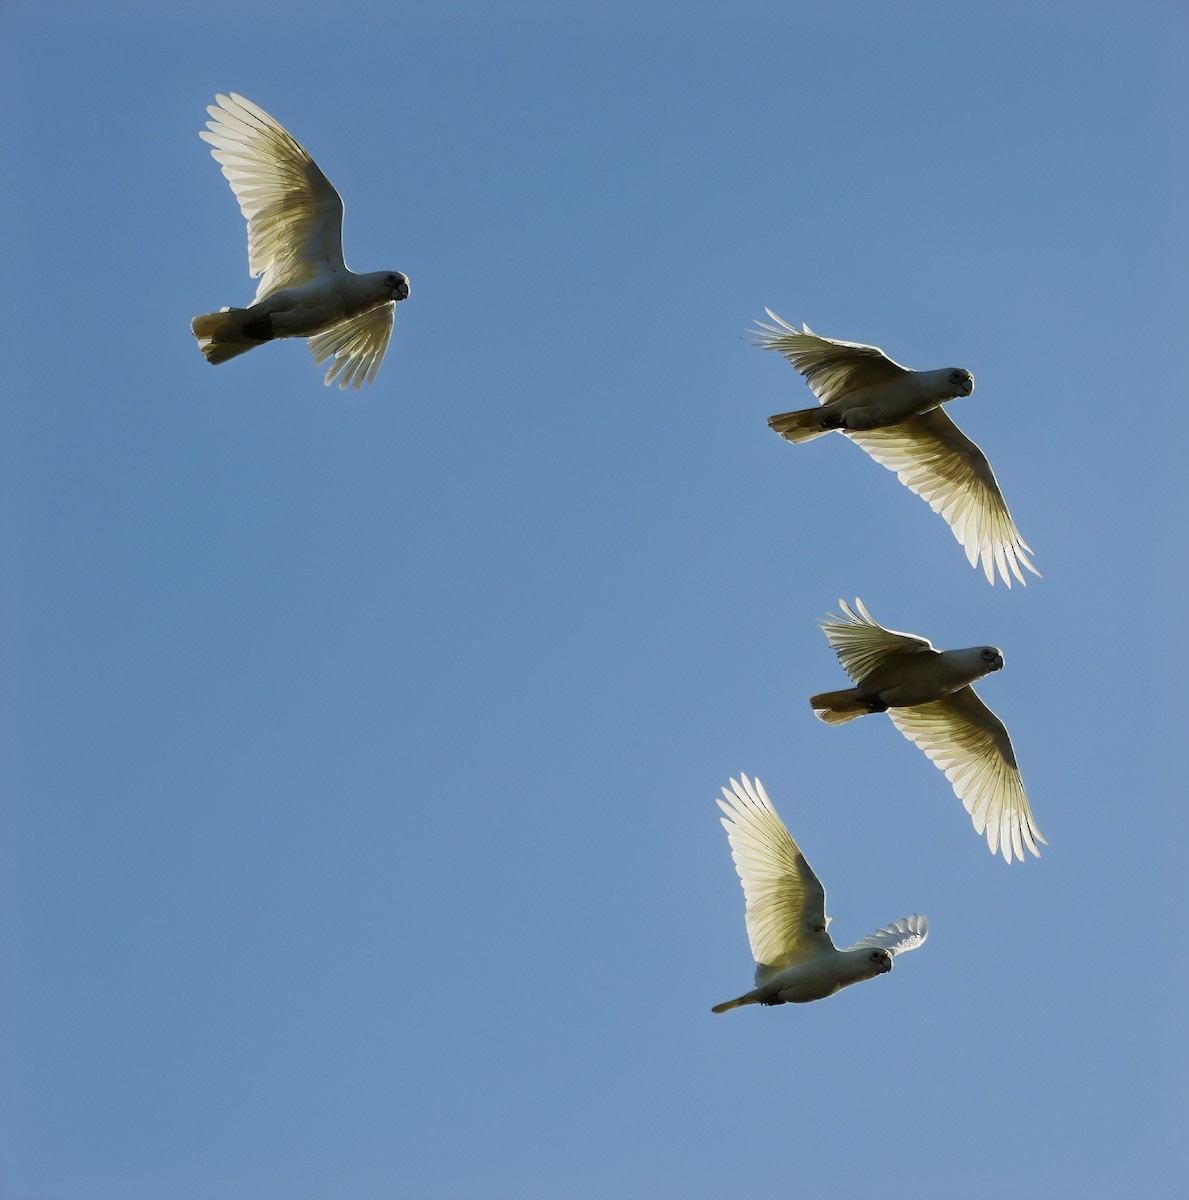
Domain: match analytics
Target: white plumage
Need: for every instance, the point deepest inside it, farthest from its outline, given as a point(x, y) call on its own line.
point(928, 696)
point(295, 244)
point(796, 960)
point(895, 414)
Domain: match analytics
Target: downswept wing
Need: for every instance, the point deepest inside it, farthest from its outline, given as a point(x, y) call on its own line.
point(831, 367)
point(863, 644)
point(932, 457)
point(966, 740)
point(294, 215)
point(786, 903)
point(899, 937)
point(357, 343)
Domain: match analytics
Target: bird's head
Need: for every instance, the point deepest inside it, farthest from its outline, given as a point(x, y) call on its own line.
point(991, 657)
point(961, 381)
point(961, 667)
point(397, 285)
point(881, 960)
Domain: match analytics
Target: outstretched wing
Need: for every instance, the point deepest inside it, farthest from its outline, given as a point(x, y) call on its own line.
point(294, 215)
point(966, 740)
point(935, 459)
point(862, 644)
point(832, 368)
point(899, 937)
point(357, 343)
point(786, 903)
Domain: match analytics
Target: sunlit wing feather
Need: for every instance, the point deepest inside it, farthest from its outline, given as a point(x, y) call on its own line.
point(966, 740)
point(357, 344)
point(899, 937)
point(862, 644)
point(786, 903)
point(294, 214)
point(831, 367)
point(933, 458)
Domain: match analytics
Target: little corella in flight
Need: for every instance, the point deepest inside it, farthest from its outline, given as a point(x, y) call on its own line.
point(928, 696)
point(796, 960)
point(295, 243)
point(895, 414)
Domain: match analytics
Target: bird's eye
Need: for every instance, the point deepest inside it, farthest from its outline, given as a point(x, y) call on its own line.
point(955, 377)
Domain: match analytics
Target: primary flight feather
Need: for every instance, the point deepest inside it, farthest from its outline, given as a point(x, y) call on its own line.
point(927, 694)
point(895, 414)
point(796, 960)
point(295, 244)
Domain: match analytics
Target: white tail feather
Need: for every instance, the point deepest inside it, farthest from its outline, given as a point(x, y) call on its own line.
point(221, 334)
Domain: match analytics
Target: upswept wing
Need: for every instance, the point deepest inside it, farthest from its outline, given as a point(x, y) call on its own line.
point(831, 367)
point(899, 937)
point(933, 458)
point(862, 644)
point(357, 344)
point(294, 215)
point(786, 903)
point(967, 741)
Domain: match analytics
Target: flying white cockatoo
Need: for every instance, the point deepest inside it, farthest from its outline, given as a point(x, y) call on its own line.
point(895, 414)
point(928, 696)
point(295, 243)
point(786, 912)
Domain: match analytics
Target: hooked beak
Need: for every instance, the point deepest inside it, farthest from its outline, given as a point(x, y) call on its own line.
point(997, 663)
point(401, 290)
point(968, 386)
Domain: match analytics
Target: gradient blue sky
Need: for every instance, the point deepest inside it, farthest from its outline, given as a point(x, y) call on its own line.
point(360, 749)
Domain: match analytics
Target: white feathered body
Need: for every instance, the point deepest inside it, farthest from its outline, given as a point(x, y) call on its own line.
point(906, 680)
point(814, 979)
point(876, 406)
point(300, 311)
point(295, 312)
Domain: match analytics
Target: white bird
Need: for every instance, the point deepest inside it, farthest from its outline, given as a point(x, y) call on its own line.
point(928, 696)
point(895, 414)
point(796, 961)
point(295, 243)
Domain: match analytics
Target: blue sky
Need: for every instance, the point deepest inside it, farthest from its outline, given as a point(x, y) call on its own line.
point(361, 749)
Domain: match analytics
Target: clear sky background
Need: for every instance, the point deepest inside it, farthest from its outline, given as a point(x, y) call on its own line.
point(360, 749)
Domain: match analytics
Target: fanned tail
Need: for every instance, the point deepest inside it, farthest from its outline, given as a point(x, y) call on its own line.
point(836, 708)
point(801, 426)
point(224, 334)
